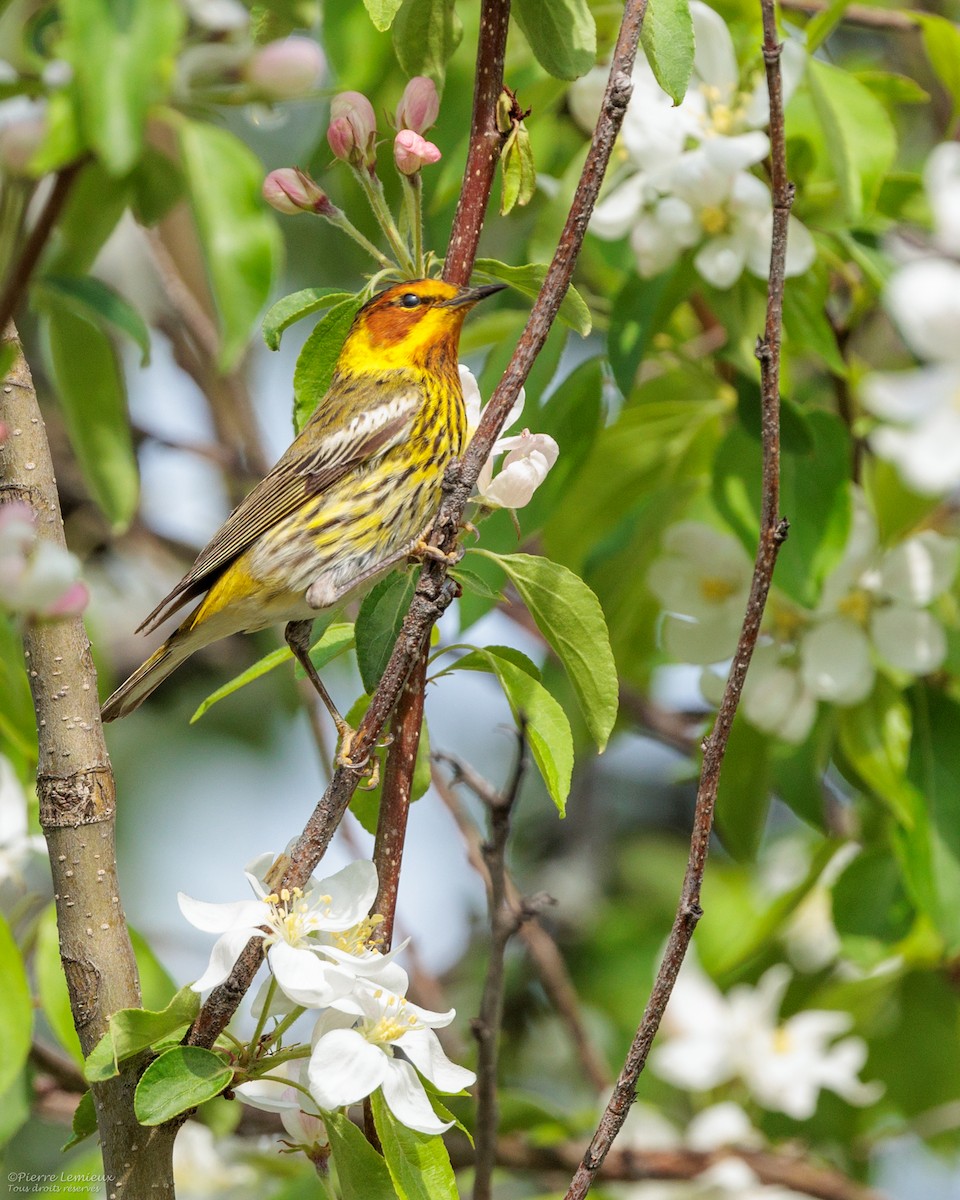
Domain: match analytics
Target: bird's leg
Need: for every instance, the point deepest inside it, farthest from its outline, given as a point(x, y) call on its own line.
point(422, 549)
point(297, 635)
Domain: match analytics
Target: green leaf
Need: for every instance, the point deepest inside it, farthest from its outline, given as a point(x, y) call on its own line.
point(547, 727)
point(382, 12)
point(295, 307)
point(137, 1029)
point(743, 797)
point(562, 35)
point(94, 205)
point(418, 1163)
point(16, 1009)
point(91, 389)
point(180, 1079)
point(84, 1123)
point(641, 309)
point(52, 984)
point(361, 1172)
point(157, 184)
point(122, 57)
point(425, 35)
point(518, 170)
point(667, 40)
point(317, 360)
point(930, 851)
point(336, 640)
point(824, 23)
point(378, 624)
point(869, 900)
point(239, 239)
point(569, 616)
point(941, 40)
point(98, 303)
point(815, 498)
point(860, 138)
point(528, 279)
point(365, 804)
point(101, 1063)
point(875, 740)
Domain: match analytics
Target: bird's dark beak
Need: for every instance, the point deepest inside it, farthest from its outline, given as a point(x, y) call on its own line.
point(471, 296)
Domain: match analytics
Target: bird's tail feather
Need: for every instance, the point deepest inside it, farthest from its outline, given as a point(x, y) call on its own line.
point(149, 675)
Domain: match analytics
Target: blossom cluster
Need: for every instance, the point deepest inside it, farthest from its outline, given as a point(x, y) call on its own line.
point(686, 182)
point(874, 613)
point(918, 409)
point(713, 1038)
point(368, 1035)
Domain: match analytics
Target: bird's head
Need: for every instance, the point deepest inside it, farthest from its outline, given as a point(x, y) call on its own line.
point(415, 324)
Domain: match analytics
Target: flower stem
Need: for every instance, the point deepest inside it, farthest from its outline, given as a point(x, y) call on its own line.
point(413, 198)
point(373, 190)
point(282, 1027)
point(343, 223)
point(264, 1013)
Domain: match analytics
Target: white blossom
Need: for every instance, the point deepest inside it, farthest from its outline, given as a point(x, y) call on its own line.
point(687, 181)
point(529, 456)
point(712, 1039)
point(297, 1111)
point(354, 1048)
point(312, 935)
point(24, 869)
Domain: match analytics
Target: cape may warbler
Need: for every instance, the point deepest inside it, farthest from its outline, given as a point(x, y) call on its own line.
point(350, 498)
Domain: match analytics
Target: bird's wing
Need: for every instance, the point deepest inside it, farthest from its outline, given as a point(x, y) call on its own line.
point(312, 463)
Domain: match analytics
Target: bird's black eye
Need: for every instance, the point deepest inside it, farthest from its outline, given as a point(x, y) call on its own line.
point(410, 300)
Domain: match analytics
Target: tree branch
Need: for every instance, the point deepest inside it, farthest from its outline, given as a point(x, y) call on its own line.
point(77, 795)
point(434, 592)
point(895, 21)
point(773, 531)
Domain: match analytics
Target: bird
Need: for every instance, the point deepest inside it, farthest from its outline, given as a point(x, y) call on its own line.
point(352, 497)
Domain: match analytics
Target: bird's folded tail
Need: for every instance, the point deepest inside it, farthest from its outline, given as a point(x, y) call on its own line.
point(131, 694)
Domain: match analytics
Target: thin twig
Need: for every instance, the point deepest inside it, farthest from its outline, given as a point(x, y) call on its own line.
point(22, 271)
point(434, 591)
point(395, 800)
point(542, 950)
point(486, 142)
point(504, 922)
point(895, 21)
point(773, 531)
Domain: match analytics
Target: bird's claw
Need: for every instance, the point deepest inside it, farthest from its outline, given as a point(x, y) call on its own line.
point(423, 549)
point(371, 761)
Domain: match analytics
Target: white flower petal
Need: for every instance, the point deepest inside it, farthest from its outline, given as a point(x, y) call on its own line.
point(911, 639)
point(714, 59)
point(734, 153)
point(941, 178)
point(924, 299)
point(835, 662)
point(920, 569)
point(471, 396)
point(617, 211)
point(218, 918)
point(721, 261)
point(352, 891)
point(700, 642)
point(721, 1125)
point(344, 1068)
point(223, 956)
point(422, 1047)
point(307, 979)
point(407, 1100)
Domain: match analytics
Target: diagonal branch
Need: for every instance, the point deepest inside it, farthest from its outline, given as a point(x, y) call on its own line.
point(434, 591)
point(773, 531)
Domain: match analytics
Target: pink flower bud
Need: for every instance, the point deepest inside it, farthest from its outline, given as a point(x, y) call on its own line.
point(419, 105)
point(290, 190)
point(353, 129)
point(286, 69)
point(411, 152)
